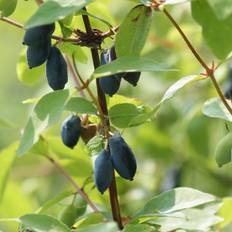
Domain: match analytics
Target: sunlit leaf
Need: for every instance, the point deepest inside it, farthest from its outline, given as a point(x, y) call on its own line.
point(46, 112)
point(133, 32)
point(176, 199)
point(130, 64)
point(214, 108)
point(43, 223)
point(54, 10)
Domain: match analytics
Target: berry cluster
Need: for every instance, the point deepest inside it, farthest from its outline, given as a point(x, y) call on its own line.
point(117, 156)
point(40, 50)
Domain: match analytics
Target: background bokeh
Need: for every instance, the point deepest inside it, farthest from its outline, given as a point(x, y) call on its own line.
point(175, 149)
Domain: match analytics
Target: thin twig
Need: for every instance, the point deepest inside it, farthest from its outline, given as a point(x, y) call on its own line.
point(74, 76)
point(12, 22)
point(75, 185)
point(76, 41)
point(209, 71)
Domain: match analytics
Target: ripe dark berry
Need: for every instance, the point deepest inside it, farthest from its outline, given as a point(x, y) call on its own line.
point(103, 171)
point(122, 157)
point(56, 69)
point(132, 77)
point(36, 35)
point(70, 131)
point(38, 54)
point(109, 85)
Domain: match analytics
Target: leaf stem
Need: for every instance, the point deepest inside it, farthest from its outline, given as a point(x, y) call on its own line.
point(106, 124)
point(209, 71)
point(75, 185)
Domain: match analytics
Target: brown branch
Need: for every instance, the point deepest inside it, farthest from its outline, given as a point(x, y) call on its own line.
point(209, 71)
point(102, 102)
point(75, 185)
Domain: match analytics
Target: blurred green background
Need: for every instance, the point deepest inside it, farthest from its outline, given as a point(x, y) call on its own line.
point(176, 149)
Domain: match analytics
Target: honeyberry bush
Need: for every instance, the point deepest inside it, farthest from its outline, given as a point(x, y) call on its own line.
point(152, 77)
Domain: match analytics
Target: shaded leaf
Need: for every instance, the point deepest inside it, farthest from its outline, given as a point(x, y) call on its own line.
point(122, 114)
point(7, 7)
point(213, 29)
point(222, 8)
point(224, 150)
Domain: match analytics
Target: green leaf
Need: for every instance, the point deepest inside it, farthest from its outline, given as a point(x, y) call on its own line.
point(224, 150)
point(189, 219)
point(119, 99)
point(129, 64)
point(26, 75)
point(7, 7)
point(133, 32)
point(122, 114)
point(106, 227)
point(46, 112)
point(7, 157)
point(136, 228)
point(173, 89)
point(80, 105)
point(226, 212)
point(222, 9)
point(213, 29)
point(53, 201)
point(176, 199)
point(72, 49)
point(43, 223)
point(214, 108)
point(54, 10)
point(96, 144)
